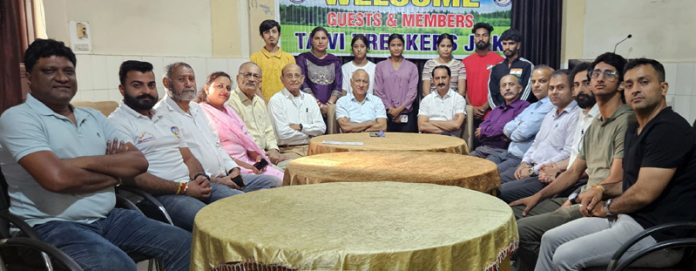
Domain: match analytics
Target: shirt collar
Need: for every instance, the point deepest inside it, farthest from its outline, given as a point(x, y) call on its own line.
point(352, 98)
point(514, 104)
point(242, 97)
point(43, 109)
point(289, 95)
point(173, 106)
point(623, 109)
point(570, 107)
point(447, 95)
point(135, 114)
point(268, 54)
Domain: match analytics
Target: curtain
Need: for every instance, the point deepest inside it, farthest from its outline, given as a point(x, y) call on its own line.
point(11, 14)
point(540, 23)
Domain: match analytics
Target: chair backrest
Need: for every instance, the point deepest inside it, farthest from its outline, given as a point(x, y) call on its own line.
point(105, 107)
point(468, 127)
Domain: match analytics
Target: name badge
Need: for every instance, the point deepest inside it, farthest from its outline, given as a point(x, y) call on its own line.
point(403, 118)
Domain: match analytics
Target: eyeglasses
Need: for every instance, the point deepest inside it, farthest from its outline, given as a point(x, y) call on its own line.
point(292, 75)
point(607, 74)
point(249, 75)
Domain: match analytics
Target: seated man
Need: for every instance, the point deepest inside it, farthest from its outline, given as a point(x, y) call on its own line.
point(490, 134)
point(523, 129)
point(62, 163)
point(442, 112)
point(252, 110)
point(179, 110)
point(552, 144)
point(658, 185)
point(600, 157)
point(360, 111)
point(175, 176)
point(295, 114)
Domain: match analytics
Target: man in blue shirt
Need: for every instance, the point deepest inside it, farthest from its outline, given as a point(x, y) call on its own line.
point(62, 163)
point(361, 111)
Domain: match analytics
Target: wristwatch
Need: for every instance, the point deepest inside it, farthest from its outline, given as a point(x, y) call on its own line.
point(301, 127)
point(607, 204)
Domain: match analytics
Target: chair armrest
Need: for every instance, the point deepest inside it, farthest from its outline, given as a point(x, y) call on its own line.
point(48, 252)
point(147, 197)
point(640, 236)
point(678, 243)
point(19, 223)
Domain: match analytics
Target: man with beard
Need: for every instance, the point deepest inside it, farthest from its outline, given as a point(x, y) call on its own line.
point(271, 59)
point(513, 64)
point(552, 144)
point(657, 187)
point(478, 69)
point(442, 111)
point(600, 157)
point(62, 163)
point(252, 110)
point(175, 176)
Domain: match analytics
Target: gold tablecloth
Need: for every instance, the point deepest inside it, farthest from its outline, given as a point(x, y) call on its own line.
point(391, 142)
point(412, 167)
point(357, 226)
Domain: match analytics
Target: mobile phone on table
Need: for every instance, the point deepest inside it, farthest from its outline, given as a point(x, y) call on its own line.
point(261, 164)
point(376, 134)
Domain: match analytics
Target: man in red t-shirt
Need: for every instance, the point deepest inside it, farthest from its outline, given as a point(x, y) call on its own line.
point(478, 68)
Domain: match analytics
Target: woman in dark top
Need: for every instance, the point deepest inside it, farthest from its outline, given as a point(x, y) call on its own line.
point(323, 77)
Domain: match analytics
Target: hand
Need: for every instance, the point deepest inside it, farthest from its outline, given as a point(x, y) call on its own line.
point(522, 171)
point(566, 204)
point(588, 200)
point(598, 210)
point(275, 156)
point(528, 202)
point(295, 127)
point(199, 188)
point(116, 146)
point(480, 111)
point(477, 133)
point(227, 180)
point(548, 173)
point(323, 108)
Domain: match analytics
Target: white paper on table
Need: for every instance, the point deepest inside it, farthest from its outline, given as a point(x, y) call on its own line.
point(350, 143)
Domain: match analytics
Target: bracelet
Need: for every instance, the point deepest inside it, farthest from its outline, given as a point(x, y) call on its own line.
point(201, 174)
point(182, 188)
point(600, 187)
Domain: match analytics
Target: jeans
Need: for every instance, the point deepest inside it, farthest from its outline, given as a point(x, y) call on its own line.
point(545, 216)
point(105, 243)
point(183, 209)
point(507, 164)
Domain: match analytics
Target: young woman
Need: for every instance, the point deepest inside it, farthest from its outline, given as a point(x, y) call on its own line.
point(231, 131)
point(396, 83)
point(359, 47)
point(445, 45)
point(323, 77)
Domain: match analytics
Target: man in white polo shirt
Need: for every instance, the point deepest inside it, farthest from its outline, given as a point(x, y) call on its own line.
point(174, 175)
point(295, 114)
point(442, 112)
point(360, 111)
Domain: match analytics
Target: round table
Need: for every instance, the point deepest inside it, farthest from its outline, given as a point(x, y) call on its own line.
point(390, 142)
point(357, 226)
point(413, 167)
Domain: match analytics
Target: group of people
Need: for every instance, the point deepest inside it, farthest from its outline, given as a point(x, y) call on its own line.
point(587, 158)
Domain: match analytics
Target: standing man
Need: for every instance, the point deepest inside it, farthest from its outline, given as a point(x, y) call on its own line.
point(513, 64)
point(657, 188)
point(296, 114)
point(442, 111)
point(62, 164)
point(252, 110)
point(478, 68)
point(361, 111)
point(271, 59)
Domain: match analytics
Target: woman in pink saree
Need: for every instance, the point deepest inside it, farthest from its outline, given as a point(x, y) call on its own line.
point(231, 131)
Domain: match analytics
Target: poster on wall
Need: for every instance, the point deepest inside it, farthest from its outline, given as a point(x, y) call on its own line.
point(419, 21)
point(80, 37)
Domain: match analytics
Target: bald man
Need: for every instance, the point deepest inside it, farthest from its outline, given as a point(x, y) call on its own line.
point(360, 111)
point(295, 114)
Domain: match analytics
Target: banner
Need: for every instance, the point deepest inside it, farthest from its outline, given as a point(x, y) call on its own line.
point(419, 21)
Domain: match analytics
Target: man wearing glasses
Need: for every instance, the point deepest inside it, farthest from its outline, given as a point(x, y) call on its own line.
point(252, 109)
point(600, 158)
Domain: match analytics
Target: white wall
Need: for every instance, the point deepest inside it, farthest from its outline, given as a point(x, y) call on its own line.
point(661, 29)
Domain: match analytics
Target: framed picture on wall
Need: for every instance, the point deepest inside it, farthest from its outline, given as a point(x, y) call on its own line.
point(80, 37)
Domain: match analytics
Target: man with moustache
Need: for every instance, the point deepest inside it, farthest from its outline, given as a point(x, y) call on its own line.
point(295, 114)
point(175, 176)
point(360, 111)
point(186, 120)
point(252, 110)
point(490, 133)
point(513, 64)
point(552, 144)
point(442, 111)
point(523, 129)
point(600, 157)
point(62, 163)
point(271, 59)
point(478, 69)
point(657, 184)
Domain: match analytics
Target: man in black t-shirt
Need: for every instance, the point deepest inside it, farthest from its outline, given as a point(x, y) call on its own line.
point(513, 64)
point(659, 185)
